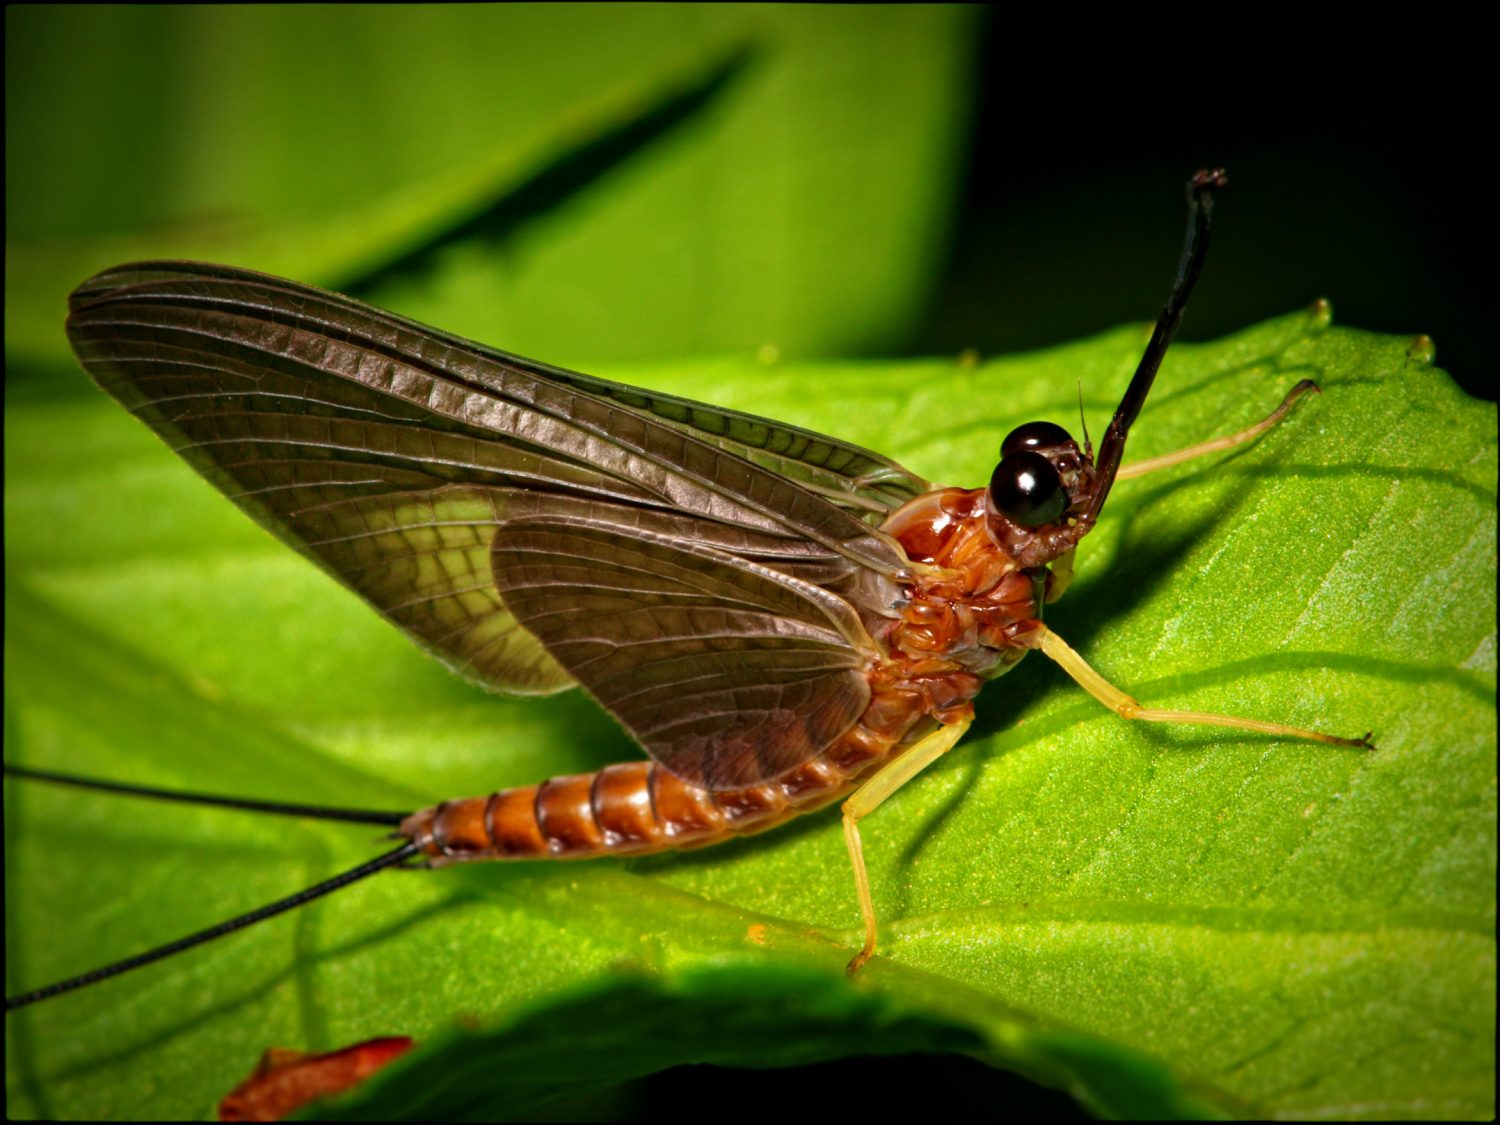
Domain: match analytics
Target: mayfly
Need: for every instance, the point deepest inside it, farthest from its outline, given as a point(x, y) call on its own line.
point(780, 618)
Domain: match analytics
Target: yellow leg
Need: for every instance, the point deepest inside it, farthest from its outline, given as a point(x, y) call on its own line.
point(868, 798)
point(1141, 468)
point(1127, 708)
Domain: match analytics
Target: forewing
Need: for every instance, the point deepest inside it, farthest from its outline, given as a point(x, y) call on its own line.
point(730, 673)
point(390, 453)
point(845, 474)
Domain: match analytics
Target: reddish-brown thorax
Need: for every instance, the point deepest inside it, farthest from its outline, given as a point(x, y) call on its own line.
point(971, 605)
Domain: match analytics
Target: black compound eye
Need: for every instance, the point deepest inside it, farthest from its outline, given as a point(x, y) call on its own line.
point(1032, 435)
point(1026, 488)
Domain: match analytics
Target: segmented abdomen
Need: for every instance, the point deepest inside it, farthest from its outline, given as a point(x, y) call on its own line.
point(634, 808)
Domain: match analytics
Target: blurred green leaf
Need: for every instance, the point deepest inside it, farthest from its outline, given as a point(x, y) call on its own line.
point(1161, 921)
point(628, 1026)
point(630, 180)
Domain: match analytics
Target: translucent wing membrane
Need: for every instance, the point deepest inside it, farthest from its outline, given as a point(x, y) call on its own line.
point(399, 458)
point(730, 673)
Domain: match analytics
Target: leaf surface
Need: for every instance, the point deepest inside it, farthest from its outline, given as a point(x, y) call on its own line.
point(1161, 921)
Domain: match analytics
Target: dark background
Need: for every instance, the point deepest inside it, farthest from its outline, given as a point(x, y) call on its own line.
point(1357, 178)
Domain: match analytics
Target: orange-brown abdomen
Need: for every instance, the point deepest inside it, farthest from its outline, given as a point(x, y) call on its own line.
point(631, 809)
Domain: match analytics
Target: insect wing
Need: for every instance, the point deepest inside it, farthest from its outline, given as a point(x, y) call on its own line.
point(730, 673)
point(393, 455)
point(845, 474)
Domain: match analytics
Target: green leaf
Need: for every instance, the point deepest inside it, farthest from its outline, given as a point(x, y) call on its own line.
point(641, 180)
point(1162, 921)
point(630, 1026)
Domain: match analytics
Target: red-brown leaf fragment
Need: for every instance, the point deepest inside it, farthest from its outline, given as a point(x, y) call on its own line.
point(286, 1080)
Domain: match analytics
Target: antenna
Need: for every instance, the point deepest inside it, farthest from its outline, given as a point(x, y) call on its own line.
point(1200, 196)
